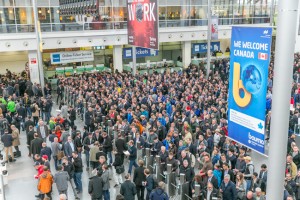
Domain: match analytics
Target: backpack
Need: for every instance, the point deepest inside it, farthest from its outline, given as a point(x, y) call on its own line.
point(32, 108)
point(3, 125)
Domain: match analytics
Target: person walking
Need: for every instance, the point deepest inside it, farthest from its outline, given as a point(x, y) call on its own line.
point(61, 178)
point(96, 184)
point(56, 148)
point(159, 193)
point(132, 156)
point(149, 184)
point(16, 142)
point(7, 140)
point(36, 145)
point(45, 184)
point(228, 189)
point(138, 178)
point(105, 178)
point(118, 164)
point(128, 188)
point(77, 162)
point(93, 152)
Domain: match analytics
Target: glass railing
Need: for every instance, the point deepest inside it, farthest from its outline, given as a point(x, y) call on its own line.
point(87, 26)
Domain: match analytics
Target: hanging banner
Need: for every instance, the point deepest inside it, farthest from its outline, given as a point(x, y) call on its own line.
point(142, 23)
point(202, 47)
point(140, 52)
point(71, 57)
point(214, 28)
point(249, 62)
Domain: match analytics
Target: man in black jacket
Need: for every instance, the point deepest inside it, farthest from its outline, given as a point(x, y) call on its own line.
point(95, 186)
point(72, 115)
point(36, 145)
point(149, 184)
point(228, 189)
point(28, 123)
point(87, 142)
point(138, 178)
point(107, 146)
point(77, 162)
point(30, 137)
point(7, 140)
point(128, 189)
point(211, 192)
point(132, 156)
point(89, 119)
point(121, 146)
point(60, 92)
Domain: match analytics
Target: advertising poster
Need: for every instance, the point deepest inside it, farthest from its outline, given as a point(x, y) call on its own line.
point(249, 62)
point(214, 27)
point(142, 23)
point(202, 47)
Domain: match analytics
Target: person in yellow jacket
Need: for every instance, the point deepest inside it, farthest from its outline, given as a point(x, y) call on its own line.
point(45, 184)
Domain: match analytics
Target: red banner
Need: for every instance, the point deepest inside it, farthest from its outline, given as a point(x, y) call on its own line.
point(142, 23)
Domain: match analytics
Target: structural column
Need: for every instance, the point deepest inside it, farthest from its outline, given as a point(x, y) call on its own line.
point(282, 85)
point(33, 65)
point(118, 58)
point(186, 53)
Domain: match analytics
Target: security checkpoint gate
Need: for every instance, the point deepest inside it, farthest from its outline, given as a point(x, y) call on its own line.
point(149, 161)
point(171, 186)
point(139, 150)
point(184, 188)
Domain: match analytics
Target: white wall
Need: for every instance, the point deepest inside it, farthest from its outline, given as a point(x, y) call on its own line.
point(14, 61)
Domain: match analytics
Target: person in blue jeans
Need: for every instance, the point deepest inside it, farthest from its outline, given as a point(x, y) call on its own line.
point(77, 163)
point(132, 156)
point(105, 179)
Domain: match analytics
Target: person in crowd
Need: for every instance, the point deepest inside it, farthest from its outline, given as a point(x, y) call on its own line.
point(211, 192)
point(93, 152)
point(16, 142)
point(138, 178)
point(87, 145)
point(150, 183)
point(46, 151)
point(228, 189)
point(128, 188)
point(77, 162)
point(249, 170)
point(42, 130)
point(7, 140)
point(56, 148)
point(45, 184)
point(69, 148)
point(106, 185)
point(36, 145)
point(258, 194)
point(95, 187)
point(159, 193)
point(132, 156)
point(61, 178)
point(107, 146)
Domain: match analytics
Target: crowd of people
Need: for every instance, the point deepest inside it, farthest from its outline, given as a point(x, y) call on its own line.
point(180, 116)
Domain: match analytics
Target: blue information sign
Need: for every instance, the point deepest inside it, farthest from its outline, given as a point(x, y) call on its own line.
point(249, 62)
point(202, 47)
point(140, 52)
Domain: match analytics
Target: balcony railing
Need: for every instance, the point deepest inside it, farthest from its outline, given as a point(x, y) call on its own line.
point(87, 26)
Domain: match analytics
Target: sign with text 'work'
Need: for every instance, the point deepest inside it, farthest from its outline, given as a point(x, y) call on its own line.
point(142, 23)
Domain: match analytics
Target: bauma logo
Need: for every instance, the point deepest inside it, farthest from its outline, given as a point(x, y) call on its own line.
point(255, 139)
point(266, 32)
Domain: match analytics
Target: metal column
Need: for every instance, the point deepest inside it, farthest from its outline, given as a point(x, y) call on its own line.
point(39, 44)
point(283, 71)
point(208, 38)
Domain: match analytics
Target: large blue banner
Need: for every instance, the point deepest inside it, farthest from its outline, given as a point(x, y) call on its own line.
point(249, 62)
point(202, 47)
point(140, 52)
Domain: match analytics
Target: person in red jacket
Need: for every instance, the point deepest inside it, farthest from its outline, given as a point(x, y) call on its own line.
point(40, 169)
